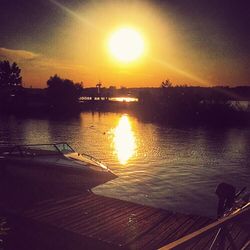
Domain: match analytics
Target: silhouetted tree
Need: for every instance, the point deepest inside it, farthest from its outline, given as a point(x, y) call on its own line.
point(10, 74)
point(166, 84)
point(79, 88)
point(63, 94)
point(123, 91)
point(111, 91)
point(12, 95)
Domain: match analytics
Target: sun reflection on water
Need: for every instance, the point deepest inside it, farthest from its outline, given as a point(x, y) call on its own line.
point(124, 140)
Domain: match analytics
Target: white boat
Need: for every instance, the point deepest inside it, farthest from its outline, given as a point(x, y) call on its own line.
point(53, 163)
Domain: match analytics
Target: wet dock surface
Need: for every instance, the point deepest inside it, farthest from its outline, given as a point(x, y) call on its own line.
point(76, 219)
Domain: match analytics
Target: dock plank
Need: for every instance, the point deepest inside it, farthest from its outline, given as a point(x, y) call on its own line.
point(158, 235)
point(124, 233)
point(94, 223)
point(89, 221)
point(119, 217)
point(107, 219)
point(72, 209)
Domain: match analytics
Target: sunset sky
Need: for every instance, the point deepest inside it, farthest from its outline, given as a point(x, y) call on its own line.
point(194, 42)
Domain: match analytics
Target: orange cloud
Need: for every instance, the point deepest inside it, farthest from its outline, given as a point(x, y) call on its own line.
point(17, 55)
point(37, 68)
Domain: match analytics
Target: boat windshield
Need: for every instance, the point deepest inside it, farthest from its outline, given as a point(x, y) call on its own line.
point(64, 148)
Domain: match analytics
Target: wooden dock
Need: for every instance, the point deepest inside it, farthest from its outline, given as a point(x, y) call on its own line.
point(83, 220)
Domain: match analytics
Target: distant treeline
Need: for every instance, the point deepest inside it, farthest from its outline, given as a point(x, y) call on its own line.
point(239, 93)
point(171, 105)
point(184, 106)
point(176, 105)
point(60, 96)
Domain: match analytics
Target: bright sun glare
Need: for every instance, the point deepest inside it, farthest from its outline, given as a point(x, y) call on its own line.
point(126, 45)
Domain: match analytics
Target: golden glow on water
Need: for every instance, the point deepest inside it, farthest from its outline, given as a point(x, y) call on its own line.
point(124, 140)
point(124, 99)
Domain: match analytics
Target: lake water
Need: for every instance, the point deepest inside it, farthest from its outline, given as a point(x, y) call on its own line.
point(174, 169)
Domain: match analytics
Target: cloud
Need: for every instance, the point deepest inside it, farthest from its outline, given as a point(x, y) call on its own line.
point(36, 60)
point(17, 55)
point(36, 68)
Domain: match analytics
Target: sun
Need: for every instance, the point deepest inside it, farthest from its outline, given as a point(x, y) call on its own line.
point(126, 45)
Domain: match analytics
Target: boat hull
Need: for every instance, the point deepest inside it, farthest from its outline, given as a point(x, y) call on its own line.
point(46, 174)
